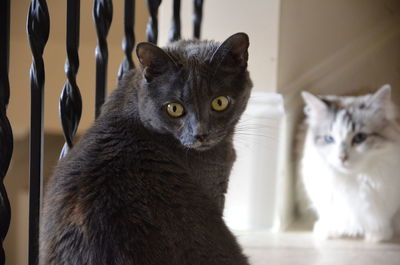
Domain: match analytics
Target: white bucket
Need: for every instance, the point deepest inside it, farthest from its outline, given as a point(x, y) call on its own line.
point(252, 198)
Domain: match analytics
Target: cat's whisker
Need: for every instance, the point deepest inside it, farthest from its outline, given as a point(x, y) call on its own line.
point(256, 126)
point(270, 137)
point(256, 130)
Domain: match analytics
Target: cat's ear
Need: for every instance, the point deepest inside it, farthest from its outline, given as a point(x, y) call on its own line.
point(314, 105)
point(380, 103)
point(232, 55)
point(383, 96)
point(153, 60)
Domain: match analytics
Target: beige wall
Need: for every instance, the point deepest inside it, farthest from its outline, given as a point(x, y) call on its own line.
point(222, 18)
point(351, 40)
point(55, 56)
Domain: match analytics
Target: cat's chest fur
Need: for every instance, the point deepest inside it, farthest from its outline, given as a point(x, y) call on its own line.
point(208, 170)
point(159, 157)
point(211, 170)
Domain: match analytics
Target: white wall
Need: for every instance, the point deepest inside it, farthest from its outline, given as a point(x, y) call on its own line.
point(222, 18)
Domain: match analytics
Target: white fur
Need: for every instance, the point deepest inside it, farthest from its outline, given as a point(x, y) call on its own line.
point(360, 197)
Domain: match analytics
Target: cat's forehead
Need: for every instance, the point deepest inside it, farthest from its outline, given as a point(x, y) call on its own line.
point(347, 103)
point(189, 52)
point(350, 114)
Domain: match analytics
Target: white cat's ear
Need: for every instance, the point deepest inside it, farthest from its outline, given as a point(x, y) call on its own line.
point(314, 105)
point(232, 55)
point(153, 59)
point(381, 103)
point(382, 96)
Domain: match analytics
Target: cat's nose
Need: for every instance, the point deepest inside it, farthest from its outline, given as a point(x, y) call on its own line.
point(201, 137)
point(343, 158)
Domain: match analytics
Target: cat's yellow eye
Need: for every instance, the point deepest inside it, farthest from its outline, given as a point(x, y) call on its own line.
point(175, 110)
point(220, 103)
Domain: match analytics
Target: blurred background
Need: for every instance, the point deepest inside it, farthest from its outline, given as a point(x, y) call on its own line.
point(327, 47)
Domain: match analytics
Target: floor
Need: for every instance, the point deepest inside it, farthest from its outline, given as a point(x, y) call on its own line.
point(300, 248)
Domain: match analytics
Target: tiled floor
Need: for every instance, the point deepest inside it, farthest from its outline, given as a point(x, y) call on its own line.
point(300, 248)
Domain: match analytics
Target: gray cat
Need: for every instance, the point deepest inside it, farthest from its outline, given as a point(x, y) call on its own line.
point(146, 184)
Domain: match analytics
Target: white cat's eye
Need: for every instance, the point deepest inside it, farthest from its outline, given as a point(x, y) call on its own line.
point(220, 103)
point(329, 139)
point(359, 138)
point(175, 110)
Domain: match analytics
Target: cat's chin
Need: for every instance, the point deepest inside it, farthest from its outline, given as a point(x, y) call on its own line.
point(346, 170)
point(199, 146)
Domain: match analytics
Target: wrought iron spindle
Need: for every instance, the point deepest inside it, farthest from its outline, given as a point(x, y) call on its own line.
point(6, 137)
point(129, 41)
point(102, 13)
point(175, 31)
point(70, 100)
point(197, 17)
point(152, 25)
point(38, 28)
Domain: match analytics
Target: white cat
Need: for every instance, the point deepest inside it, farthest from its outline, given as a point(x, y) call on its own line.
point(350, 165)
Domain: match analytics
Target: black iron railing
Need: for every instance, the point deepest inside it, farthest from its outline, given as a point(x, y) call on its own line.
point(175, 30)
point(102, 14)
point(38, 27)
point(129, 40)
point(152, 25)
point(6, 137)
point(70, 100)
point(197, 17)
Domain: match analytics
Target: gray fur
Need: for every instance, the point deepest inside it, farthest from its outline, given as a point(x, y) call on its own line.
point(138, 188)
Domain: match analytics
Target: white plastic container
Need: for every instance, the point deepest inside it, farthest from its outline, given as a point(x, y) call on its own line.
point(252, 198)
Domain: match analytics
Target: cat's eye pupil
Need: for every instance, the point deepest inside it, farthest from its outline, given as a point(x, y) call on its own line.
point(220, 103)
point(175, 110)
point(359, 138)
point(329, 139)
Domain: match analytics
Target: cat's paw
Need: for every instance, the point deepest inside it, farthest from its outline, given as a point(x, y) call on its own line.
point(321, 231)
point(379, 235)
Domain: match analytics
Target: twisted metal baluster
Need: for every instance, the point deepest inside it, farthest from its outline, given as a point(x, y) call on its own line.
point(6, 137)
point(70, 100)
point(152, 25)
point(197, 17)
point(102, 13)
point(129, 41)
point(38, 28)
point(175, 30)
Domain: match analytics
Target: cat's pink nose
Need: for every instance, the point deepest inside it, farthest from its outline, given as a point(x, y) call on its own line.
point(343, 158)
